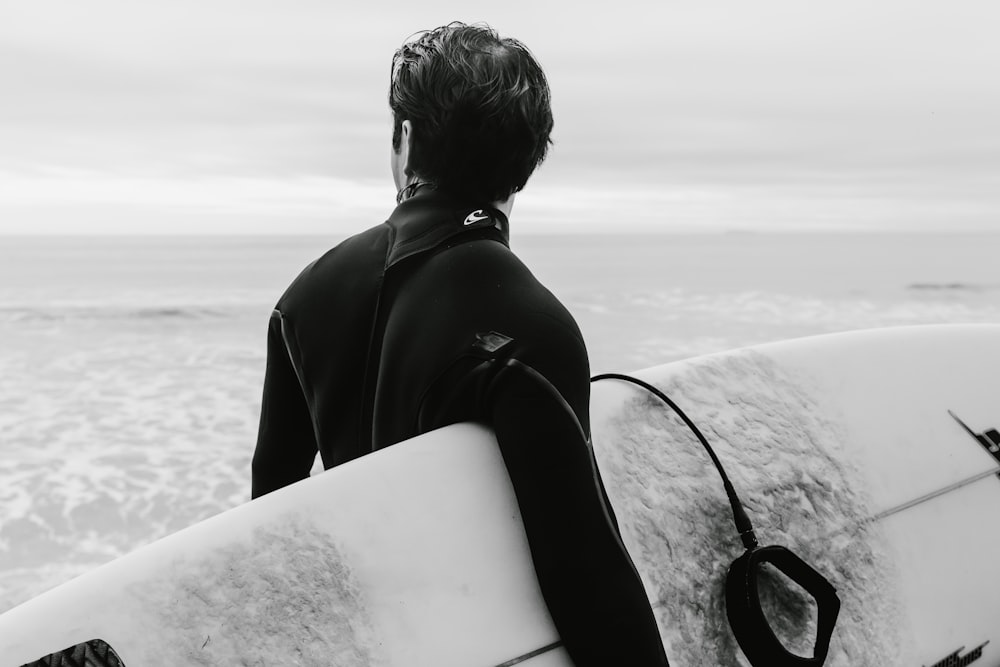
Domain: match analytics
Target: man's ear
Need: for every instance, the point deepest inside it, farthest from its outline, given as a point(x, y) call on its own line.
point(406, 150)
point(401, 157)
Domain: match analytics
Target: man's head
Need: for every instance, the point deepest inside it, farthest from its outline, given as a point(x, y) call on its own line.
point(478, 110)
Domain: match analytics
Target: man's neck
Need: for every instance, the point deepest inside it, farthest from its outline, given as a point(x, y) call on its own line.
point(505, 206)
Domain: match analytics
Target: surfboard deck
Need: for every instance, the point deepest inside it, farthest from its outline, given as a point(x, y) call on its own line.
point(841, 447)
point(414, 555)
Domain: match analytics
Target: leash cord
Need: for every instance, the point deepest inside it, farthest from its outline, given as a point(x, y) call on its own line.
point(743, 525)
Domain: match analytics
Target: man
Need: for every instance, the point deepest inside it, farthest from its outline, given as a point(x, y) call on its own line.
point(429, 320)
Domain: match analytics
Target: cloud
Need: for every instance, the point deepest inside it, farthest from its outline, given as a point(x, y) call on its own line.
point(69, 201)
point(879, 105)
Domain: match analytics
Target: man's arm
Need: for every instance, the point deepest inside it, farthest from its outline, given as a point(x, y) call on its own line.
point(589, 583)
point(286, 442)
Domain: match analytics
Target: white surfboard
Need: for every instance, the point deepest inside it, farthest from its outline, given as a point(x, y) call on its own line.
point(841, 447)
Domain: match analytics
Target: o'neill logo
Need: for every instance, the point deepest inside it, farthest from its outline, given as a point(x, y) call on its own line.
point(956, 660)
point(476, 216)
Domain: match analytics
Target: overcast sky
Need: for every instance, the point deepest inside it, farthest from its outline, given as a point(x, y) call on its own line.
point(251, 116)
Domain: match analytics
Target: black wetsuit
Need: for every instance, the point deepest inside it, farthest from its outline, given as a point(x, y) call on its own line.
point(371, 344)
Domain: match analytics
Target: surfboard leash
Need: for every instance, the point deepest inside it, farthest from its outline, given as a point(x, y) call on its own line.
point(743, 525)
point(743, 608)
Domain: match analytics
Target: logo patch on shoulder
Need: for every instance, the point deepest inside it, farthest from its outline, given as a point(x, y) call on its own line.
point(476, 216)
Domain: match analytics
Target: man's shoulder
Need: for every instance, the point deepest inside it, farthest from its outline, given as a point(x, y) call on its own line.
point(354, 259)
point(495, 285)
point(367, 246)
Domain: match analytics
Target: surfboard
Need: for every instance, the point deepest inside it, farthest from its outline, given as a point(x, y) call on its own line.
point(413, 555)
point(873, 455)
point(844, 448)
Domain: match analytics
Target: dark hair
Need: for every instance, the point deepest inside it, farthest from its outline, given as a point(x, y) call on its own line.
point(480, 109)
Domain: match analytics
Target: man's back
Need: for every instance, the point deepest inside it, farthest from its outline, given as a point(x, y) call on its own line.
point(370, 326)
point(440, 303)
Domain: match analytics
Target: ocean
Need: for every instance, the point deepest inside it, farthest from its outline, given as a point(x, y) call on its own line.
point(131, 367)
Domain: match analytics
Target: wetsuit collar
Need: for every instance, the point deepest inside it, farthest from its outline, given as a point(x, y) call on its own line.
point(430, 218)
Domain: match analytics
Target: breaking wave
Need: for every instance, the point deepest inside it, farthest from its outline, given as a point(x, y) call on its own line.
point(952, 287)
point(76, 313)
